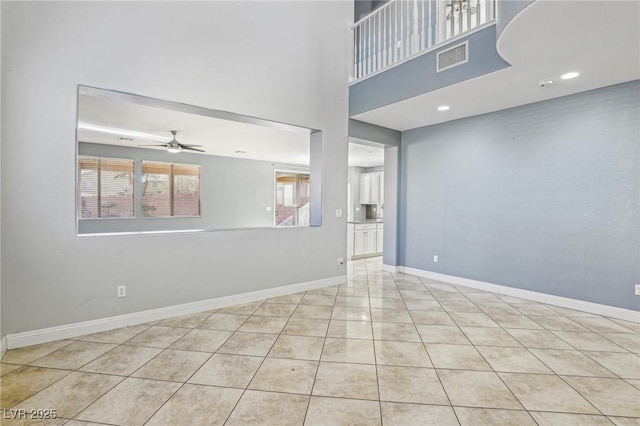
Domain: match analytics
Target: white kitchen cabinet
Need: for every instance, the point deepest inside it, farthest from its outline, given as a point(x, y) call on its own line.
point(366, 240)
point(372, 188)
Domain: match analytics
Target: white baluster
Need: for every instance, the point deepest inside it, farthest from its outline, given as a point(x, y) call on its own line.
point(408, 35)
point(369, 49)
point(469, 16)
point(429, 29)
point(384, 37)
point(460, 18)
point(415, 35)
point(379, 40)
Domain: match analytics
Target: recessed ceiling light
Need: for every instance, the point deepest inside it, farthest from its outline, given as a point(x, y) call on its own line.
point(570, 75)
point(365, 164)
point(443, 108)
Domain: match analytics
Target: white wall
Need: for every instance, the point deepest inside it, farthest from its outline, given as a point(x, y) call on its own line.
point(283, 61)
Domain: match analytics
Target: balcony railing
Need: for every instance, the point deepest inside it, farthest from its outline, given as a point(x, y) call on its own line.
point(404, 28)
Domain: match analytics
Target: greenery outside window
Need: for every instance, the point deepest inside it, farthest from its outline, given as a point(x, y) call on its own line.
point(170, 189)
point(105, 188)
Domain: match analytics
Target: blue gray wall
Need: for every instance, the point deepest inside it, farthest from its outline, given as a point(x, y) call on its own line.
point(418, 75)
point(543, 197)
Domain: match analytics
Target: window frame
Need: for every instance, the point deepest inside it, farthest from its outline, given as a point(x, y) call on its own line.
point(99, 187)
point(172, 175)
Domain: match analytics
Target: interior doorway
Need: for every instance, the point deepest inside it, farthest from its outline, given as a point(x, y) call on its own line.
point(291, 198)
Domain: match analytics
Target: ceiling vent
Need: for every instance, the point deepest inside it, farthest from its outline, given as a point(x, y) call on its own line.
point(452, 57)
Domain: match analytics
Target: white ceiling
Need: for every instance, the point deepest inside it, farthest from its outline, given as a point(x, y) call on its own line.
point(365, 156)
point(598, 39)
point(116, 118)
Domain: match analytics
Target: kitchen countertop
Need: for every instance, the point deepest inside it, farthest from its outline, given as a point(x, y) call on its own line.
point(366, 221)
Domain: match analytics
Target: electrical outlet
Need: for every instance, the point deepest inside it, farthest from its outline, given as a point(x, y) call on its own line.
point(637, 289)
point(338, 212)
point(268, 208)
point(340, 261)
point(122, 291)
point(435, 258)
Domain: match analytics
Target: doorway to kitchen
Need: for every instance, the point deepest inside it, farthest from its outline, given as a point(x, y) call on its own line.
point(291, 198)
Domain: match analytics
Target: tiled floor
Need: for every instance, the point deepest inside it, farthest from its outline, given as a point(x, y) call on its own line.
point(392, 349)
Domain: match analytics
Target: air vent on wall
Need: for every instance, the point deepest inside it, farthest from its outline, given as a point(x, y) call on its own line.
point(452, 57)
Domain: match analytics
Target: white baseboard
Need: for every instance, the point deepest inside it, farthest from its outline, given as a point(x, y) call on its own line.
point(3, 346)
point(390, 268)
point(565, 302)
point(67, 331)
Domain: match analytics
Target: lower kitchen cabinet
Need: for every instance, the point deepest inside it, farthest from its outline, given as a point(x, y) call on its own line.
point(365, 240)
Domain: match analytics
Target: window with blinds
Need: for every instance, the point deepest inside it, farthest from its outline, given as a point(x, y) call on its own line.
point(105, 188)
point(170, 189)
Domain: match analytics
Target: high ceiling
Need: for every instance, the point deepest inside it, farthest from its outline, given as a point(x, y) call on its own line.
point(599, 39)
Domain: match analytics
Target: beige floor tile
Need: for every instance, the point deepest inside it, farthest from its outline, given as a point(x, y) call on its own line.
point(8, 368)
point(306, 327)
point(257, 344)
point(472, 319)
point(269, 408)
point(619, 399)
point(418, 286)
point(512, 300)
point(202, 340)
point(71, 394)
point(397, 414)
point(458, 357)
point(225, 322)
point(197, 406)
point(571, 363)
point(73, 356)
point(318, 300)
point(482, 389)
point(625, 365)
point(276, 309)
point(489, 336)
point(546, 393)
point(346, 380)
point(172, 365)
point(394, 331)
point(131, 402)
point(297, 347)
point(315, 312)
point(118, 336)
point(566, 419)
point(497, 308)
point(348, 350)
point(158, 337)
point(410, 384)
point(459, 306)
point(625, 421)
point(405, 354)
point(534, 309)
point(337, 411)
point(635, 326)
point(602, 325)
point(345, 313)
point(285, 375)
point(31, 353)
point(515, 321)
point(352, 301)
point(634, 382)
point(513, 360)
point(391, 315)
point(416, 295)
point(447, 296)
point(353, 291)
point(557, 323)
point(431, 318)
point(262, 324)
point(244, 309)
point(628, 341)
point(479, 296)
point(542, 339)
point(122, 360)
point(25, 382)
point(324, 291)
point(588, 341)
point(350, 329)
point(442, 334)
point(492, 416)
point(384, 303)
point(185, 321)
point(288, 298)
point(385, 293)
point(234, 371)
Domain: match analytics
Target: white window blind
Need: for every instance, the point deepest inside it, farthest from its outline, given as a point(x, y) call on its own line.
point(170, 189)
point(105, 187)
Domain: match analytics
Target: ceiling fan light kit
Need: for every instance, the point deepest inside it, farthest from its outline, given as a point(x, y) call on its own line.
point(174, 146)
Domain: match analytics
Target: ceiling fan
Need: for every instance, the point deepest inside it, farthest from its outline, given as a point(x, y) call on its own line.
point(174, 146)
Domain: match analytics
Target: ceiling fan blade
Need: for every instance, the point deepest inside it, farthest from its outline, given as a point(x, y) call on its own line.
point(185, 144)
point(192, 149)
point(163, 145)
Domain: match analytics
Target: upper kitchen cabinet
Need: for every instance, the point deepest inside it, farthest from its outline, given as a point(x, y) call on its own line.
point(372, 188)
